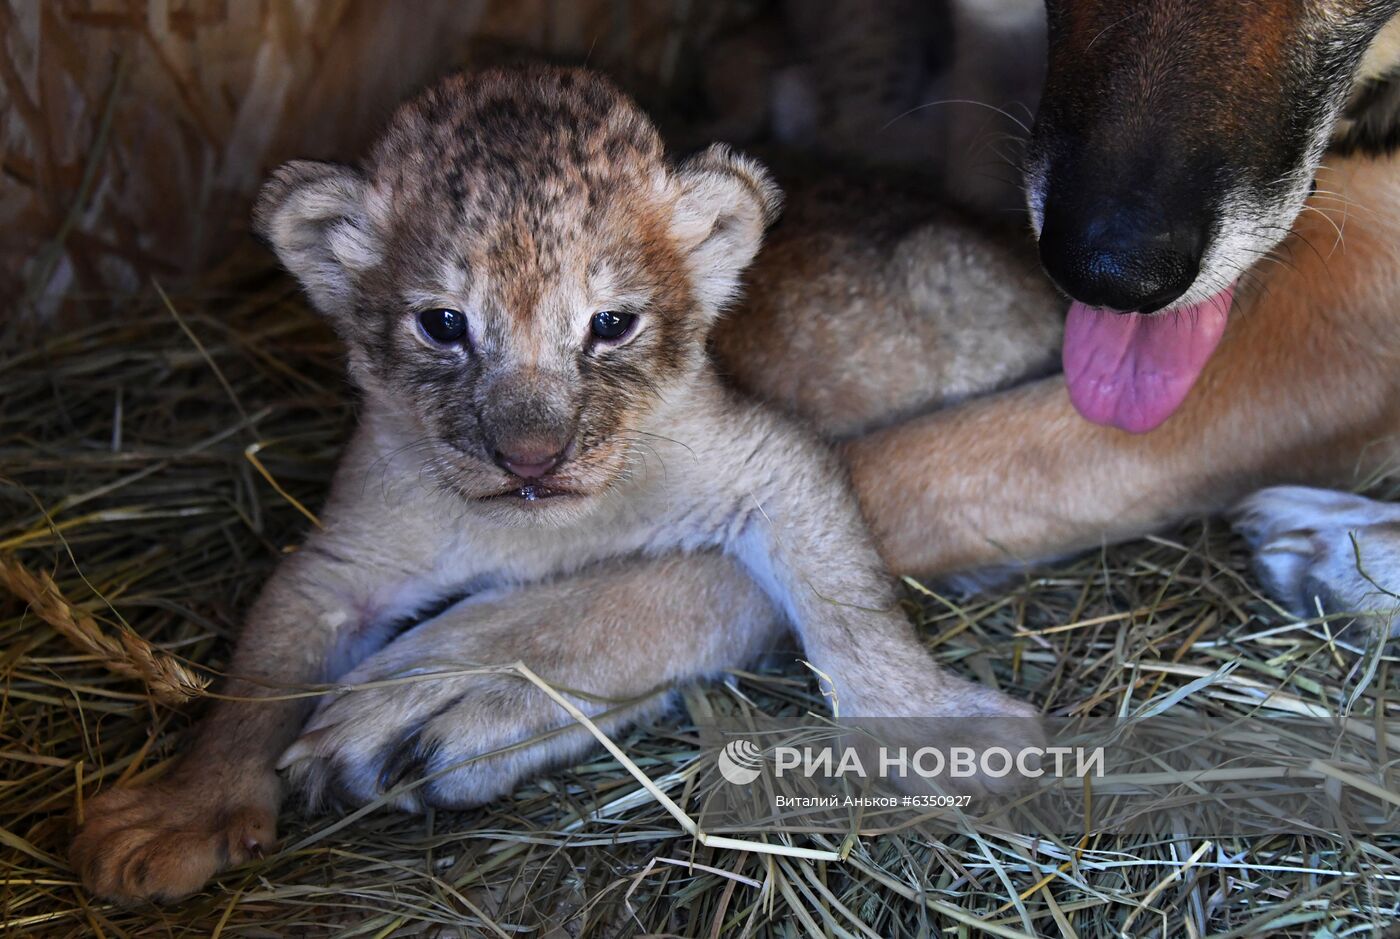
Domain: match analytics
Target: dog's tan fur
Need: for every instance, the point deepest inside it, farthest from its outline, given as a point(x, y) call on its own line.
point(1303, 388)
point(515, 231)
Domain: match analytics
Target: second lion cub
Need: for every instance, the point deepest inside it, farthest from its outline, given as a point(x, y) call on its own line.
point(525, 286)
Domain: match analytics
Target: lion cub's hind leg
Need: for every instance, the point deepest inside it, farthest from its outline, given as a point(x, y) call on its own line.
point(1322, 551)
point(164, 840)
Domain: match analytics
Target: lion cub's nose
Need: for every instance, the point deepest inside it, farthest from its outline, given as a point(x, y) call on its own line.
point(531, 459)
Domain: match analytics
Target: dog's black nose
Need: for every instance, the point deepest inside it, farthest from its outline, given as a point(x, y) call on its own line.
point(1119, 257)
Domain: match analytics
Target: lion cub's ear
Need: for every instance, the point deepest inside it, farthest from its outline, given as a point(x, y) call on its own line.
point(314, 216)
point(727, 200)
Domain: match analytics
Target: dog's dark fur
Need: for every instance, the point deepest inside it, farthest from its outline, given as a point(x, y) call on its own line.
point(1211, 115)
point(1217, 114)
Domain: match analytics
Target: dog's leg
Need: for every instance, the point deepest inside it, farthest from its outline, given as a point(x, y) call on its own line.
point(1318, 551)
point(1020, 476)
point(625, 631)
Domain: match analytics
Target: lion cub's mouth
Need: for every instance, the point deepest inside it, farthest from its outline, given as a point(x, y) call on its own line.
point(531, 492)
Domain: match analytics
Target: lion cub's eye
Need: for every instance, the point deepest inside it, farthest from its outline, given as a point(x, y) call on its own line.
point(443, 326)
point(609, 325)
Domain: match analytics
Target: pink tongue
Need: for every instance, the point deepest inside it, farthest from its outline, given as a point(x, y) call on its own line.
point(1132, 371)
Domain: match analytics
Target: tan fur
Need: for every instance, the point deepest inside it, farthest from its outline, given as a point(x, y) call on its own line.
point(855, 319)
point(418, 508)
point(1303, 389)
point(1382, 54)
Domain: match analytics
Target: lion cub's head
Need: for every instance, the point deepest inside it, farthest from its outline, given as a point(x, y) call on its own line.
point(520, 274)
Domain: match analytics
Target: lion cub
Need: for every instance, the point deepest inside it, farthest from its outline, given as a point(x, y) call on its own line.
point(525, 286)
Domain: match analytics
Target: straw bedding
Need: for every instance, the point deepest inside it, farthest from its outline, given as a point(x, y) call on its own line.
point(159, 454)
point(158, 463)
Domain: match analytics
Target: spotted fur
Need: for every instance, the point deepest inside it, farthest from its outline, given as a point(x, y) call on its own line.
point(528, 200)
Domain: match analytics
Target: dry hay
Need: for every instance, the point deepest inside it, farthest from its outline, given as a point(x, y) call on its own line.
point(157, 460)
point(131, 130)
point(124, 471)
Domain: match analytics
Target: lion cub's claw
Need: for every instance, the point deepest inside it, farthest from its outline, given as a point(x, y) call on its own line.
point(165, 841)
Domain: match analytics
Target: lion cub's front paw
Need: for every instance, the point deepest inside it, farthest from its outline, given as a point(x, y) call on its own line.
point(164, 841)
point(452, 741)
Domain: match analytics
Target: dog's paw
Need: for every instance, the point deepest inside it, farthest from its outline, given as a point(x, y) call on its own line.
point(1319, 549)
point(165, 841)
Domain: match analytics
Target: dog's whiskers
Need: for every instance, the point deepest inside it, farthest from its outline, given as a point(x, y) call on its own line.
point(1338, 228)
point(981, 104)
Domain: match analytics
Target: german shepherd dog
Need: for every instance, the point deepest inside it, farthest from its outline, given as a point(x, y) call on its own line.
point(1214, 183)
